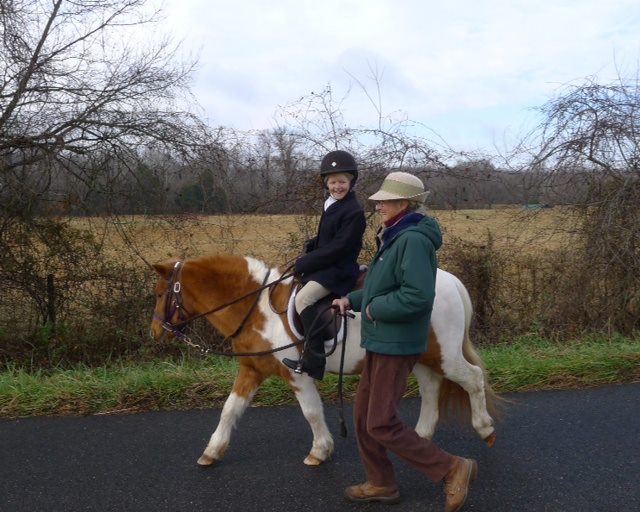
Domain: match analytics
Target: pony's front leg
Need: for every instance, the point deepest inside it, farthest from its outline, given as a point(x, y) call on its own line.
point(311, 405)
point(244, 388)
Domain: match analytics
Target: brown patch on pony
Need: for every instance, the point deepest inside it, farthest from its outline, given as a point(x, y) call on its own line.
point(279, 297)
point(358, 367)
point(206, 283)
point(432, 358)
point(254, 369)
point(248, 380)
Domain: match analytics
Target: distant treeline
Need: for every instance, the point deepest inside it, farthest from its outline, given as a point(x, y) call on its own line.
point(235, 183)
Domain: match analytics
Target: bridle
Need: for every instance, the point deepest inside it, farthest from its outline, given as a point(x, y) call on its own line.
point(173, 304)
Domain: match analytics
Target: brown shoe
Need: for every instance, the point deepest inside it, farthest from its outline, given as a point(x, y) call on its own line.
point(368, 492)
point(456, 482)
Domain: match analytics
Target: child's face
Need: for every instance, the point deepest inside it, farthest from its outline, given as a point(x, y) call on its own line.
point(338, 185)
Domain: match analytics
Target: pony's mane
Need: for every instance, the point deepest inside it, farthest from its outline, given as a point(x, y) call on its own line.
point(230, 267)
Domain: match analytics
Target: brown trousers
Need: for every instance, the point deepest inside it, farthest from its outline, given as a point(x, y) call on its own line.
point(379, 427)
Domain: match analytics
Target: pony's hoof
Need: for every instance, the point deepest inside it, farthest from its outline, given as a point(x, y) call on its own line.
point(205, 460)
point(312, 460)
point(490, 439)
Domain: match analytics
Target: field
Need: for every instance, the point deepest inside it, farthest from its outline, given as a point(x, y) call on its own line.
point(276, 239)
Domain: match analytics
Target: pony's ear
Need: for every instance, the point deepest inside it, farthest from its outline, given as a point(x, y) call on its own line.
point(164, 269)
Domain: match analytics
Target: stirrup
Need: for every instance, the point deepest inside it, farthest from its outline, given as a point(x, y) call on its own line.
point(296, 366)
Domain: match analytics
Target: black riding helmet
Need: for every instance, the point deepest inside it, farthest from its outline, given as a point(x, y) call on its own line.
point(339, 162)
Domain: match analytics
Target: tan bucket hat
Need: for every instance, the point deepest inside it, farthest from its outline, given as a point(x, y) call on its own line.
point(401, 185)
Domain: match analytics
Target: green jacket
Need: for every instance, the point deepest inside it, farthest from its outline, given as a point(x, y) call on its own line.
point(400, 288)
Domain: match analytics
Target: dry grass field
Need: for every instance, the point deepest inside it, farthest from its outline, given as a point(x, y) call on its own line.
point(506, 257)
point(510, 227)
point(277, 238)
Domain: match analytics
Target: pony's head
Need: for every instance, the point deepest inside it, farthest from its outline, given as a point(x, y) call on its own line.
point(169, 311)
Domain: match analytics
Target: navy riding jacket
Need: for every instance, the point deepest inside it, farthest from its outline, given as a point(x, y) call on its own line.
point(333, 261)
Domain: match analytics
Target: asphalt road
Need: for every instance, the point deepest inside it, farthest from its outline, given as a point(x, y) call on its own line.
point(556, 451)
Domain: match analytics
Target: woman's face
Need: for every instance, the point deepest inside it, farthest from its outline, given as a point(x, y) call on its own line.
point(389, 209)
point(338, 185)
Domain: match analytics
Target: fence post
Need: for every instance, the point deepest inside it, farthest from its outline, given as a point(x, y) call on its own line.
point(51, 303)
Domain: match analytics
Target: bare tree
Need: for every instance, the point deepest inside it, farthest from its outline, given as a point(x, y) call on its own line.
point(589, 140)
point(84, 99)
point(76, 78)
point(319, 123)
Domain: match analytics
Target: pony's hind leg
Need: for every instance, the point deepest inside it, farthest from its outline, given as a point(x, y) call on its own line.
point(244, 388)
point(471, 378)
point(429, 384)
point(312, 409)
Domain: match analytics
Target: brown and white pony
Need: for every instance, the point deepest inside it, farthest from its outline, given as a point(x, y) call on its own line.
point(449, 366)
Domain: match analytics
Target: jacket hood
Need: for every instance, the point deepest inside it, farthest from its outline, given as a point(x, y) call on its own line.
point(430, 228)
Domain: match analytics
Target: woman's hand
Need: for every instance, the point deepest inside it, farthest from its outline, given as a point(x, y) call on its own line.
point(342, 303)
point(368, 313)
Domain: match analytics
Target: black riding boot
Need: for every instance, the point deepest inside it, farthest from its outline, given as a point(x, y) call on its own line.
point(311, 361)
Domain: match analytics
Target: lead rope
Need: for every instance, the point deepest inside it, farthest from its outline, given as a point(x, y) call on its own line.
point(343, 427)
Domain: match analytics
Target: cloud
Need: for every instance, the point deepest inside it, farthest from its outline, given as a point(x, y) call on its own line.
point(429, 60)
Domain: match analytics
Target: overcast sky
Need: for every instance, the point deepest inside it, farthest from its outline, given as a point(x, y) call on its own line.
point(468, 69)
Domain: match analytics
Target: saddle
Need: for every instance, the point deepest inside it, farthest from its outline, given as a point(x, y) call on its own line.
point(332, 325)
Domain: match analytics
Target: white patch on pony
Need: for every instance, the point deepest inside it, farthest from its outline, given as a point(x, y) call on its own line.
point(429, 383)
point(233, 409)
point(312, 408)
point(448, 308)
point(274, 331)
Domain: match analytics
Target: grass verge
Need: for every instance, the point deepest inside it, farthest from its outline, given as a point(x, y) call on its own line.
point(525, 364)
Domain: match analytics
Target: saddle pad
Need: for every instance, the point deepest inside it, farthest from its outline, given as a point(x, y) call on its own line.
point(296, 325)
